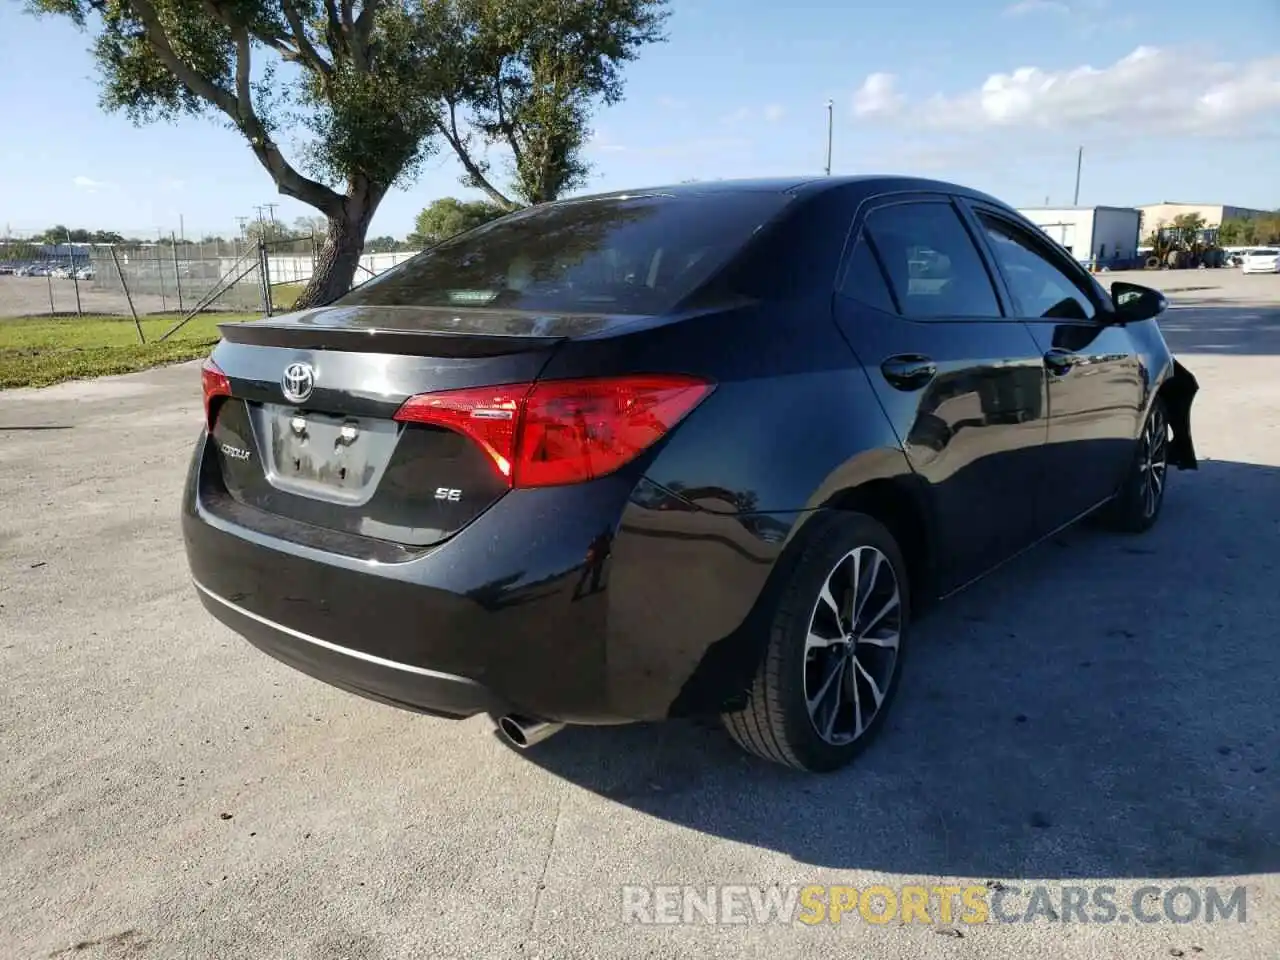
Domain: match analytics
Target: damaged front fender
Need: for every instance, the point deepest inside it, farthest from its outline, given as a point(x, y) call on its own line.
point(1178, 391)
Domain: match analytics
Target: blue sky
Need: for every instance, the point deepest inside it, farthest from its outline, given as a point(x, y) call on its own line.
point(1171, 101)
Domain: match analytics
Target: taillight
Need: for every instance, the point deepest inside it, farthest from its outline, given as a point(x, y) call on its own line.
point(214, 384)
point(562, 431)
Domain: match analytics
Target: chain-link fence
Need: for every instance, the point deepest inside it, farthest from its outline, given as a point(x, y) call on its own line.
point(170, 276)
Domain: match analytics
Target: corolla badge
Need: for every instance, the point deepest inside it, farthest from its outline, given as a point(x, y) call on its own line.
point(298, 381)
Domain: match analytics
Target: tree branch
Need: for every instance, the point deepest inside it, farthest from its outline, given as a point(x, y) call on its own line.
point(239, 108)
point(361, 32)
point(508, 129)
point(201, 86)
point(337, 36)
point(455, 140)
point(309, 55)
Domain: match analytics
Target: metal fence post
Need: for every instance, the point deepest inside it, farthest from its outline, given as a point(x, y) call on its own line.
point(177, 279)
point(120, 273)
point(265, 269)
point(75, 277)
point(164, 303)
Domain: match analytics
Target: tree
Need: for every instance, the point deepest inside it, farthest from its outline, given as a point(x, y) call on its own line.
point(346, 73)
point(376, 84)
point(310, 227)
point(269, 231)
point(382, 245)
point(1188, 229)
point(528, 72)
point(1246, 231)
point(449, 216)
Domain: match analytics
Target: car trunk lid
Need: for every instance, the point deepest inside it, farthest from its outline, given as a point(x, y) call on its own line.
point(304, 430)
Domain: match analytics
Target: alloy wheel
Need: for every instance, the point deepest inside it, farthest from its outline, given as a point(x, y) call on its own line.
point(1154, 462)
point(851, 648)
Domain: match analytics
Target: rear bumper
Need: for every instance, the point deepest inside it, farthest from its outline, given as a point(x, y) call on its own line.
point(512, 614)
point(387, 681)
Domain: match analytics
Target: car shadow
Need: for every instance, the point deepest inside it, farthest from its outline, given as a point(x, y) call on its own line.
point(1104, 707)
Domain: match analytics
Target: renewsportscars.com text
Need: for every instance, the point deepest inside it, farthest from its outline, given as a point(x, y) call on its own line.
point(816, 905)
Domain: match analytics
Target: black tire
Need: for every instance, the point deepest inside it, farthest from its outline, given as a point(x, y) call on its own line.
point(1137, 505)
point(776, 722)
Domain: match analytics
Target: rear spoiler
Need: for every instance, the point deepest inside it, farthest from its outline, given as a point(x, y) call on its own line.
point(414, 343)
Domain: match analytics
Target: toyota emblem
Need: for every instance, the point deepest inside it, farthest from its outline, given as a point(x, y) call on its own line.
point(298, 381)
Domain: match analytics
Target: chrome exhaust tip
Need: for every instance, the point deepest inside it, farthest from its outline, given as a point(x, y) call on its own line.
point(524, 732)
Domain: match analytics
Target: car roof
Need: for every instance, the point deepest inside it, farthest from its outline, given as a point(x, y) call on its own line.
point(870, 184)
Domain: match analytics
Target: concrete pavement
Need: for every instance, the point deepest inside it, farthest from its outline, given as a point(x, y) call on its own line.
point(1103, 712)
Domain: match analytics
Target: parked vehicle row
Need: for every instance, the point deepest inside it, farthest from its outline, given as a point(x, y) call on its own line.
point(58, 270)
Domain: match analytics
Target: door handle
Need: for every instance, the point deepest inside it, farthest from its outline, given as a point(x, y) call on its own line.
point(1060, 361)
point(909, 371)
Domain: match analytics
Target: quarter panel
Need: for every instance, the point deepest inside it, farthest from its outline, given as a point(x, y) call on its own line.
point(683, 585)
point(791, 405)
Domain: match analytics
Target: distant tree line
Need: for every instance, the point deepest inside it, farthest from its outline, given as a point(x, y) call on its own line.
point(442, 219)
point(1246, 231)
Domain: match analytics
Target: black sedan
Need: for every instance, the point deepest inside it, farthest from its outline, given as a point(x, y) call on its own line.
point(674, 451)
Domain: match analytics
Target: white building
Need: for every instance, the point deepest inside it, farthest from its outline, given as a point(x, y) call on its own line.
point(1091, 234)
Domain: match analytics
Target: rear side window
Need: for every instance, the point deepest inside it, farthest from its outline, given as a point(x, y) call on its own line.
point(932, 264)
point(864, 280)
point(625, 255)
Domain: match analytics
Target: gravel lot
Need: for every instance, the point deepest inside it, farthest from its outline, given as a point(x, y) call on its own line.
point(1105, 711)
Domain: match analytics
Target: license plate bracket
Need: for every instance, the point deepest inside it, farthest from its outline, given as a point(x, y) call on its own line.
point(324, 456)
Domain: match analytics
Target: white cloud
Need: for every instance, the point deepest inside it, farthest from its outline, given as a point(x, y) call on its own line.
point(88, 183)
point(773, 113)
point(877, 97)
point(1024, 7)
point(1150, 91)
point(672, 103)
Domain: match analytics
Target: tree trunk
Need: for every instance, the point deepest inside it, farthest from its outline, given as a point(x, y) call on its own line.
point(335, 269)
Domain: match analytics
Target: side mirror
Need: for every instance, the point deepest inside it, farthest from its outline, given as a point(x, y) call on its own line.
point(1134, 302)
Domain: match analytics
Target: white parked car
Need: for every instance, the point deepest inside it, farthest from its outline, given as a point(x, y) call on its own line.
point(1261, 260)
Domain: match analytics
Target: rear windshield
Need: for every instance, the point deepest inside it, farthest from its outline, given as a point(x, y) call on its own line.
point(1263, 252)
point(628, 255)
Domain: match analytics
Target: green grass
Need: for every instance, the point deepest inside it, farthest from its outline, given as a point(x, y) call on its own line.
point(38, 351)
point(283, 295)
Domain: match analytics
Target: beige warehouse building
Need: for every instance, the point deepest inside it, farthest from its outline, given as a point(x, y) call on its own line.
point(1154, 214)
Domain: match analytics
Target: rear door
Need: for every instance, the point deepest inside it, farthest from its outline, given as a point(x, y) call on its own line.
point(962, 385)
point(1095, 375)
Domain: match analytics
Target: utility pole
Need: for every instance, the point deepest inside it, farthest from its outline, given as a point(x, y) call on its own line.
point(1079, 161)
point(830, 125)
point(242, 221)
point(271, 210)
